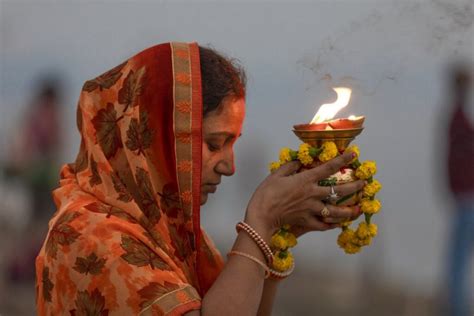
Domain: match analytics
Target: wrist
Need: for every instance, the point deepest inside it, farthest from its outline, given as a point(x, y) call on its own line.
point(260, 224)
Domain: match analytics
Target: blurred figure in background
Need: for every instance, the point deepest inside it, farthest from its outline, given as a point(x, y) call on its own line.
point(33, 160)
point(461, 183)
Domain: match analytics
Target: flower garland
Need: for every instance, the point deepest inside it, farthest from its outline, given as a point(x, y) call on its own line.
point(351, 241)
point(282, 241)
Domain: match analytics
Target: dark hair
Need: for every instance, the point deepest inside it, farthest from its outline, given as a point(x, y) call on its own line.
point(221, 77)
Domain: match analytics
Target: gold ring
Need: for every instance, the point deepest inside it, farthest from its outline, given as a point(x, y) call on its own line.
point(325, 212)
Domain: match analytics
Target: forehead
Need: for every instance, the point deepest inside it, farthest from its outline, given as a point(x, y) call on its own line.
point(228, 118)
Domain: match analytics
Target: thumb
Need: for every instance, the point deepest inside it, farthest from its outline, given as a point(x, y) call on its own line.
point(288, 169)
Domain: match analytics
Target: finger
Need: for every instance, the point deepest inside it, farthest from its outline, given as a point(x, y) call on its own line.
point(288, 168)
point(327, 169)
point(344, 212)
point(357, 213)
point(315, 224)
point(334, 220)
point(341, 190)
point(337, 220)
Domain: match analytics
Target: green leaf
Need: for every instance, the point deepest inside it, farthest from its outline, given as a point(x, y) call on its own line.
point(147, 203)
point(90, 264)
point(139, 135)
point(106, 80)
point(95, 178)
point(344, 198)
point(108, 132)
point(110, 211)
point(131, 88)
point(169, 201)
point(121, 189)
point(293, 154)
point(328, 182)
point(153, 291)
point(90, 304)
point(138, 254)
point(155, 238)
point(47, 285)
point(180, 241)
point(314, 152)
point(61, 234)
point(356, 164)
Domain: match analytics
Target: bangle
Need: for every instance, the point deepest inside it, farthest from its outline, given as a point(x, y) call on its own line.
point(260, 263)
point(258, 240)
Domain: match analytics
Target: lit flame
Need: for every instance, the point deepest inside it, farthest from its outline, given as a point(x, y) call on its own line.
point(329, 110)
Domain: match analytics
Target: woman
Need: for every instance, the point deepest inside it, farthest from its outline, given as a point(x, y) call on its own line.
point(157, 136)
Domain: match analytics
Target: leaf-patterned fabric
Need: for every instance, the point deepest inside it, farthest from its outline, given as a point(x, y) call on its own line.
point(126, 238)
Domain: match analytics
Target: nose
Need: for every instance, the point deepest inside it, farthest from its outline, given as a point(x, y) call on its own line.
point(226, 165)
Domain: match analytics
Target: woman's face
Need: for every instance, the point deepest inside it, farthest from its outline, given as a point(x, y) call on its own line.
point(221, 128)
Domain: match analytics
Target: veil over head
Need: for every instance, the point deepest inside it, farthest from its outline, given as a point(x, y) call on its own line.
point(126, 237)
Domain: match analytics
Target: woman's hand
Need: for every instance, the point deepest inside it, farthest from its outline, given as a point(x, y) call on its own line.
point(287, 197)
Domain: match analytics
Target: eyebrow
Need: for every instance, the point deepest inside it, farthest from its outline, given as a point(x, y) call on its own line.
point(227, 134)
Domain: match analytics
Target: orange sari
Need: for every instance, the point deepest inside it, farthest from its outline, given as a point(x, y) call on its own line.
point(126, 238)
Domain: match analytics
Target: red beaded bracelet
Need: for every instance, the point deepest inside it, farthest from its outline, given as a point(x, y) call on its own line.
point(267, 252)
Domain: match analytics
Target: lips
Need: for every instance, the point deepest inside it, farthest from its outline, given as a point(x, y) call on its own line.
point(212, 187)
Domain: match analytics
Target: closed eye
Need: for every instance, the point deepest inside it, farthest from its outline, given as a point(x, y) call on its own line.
point(213, 147)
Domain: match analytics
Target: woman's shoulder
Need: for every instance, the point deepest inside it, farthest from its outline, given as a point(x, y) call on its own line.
point(95, 252)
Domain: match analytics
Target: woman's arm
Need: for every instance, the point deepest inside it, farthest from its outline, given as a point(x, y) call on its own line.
point(270, 288)
point(239, 287)
point(283, 198)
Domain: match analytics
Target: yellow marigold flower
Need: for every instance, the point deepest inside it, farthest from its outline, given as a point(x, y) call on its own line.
point(282, 260)
point(303, 154)
point(285, 155)
point(353, 149)
point(362, 242)
point(274, 166)
point(372, 188)
point(366, 170)
point(351, 248)
point(329, 151)
point(345, 237)
point(291, 240)
point(346, 224)
point(363, 230)
point(278, 241)
point(370, 206)
point(372, 230)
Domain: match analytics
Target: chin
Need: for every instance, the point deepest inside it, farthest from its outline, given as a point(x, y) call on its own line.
point(203, 198)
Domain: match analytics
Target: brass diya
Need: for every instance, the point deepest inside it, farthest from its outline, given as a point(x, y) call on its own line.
point(317, 134)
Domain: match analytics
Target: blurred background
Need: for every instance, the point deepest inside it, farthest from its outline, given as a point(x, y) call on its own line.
point(409, 64)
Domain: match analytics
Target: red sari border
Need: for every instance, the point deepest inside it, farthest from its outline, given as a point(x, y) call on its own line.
point(197, 144)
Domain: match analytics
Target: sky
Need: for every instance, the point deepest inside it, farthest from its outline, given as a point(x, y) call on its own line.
point(393, 54)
